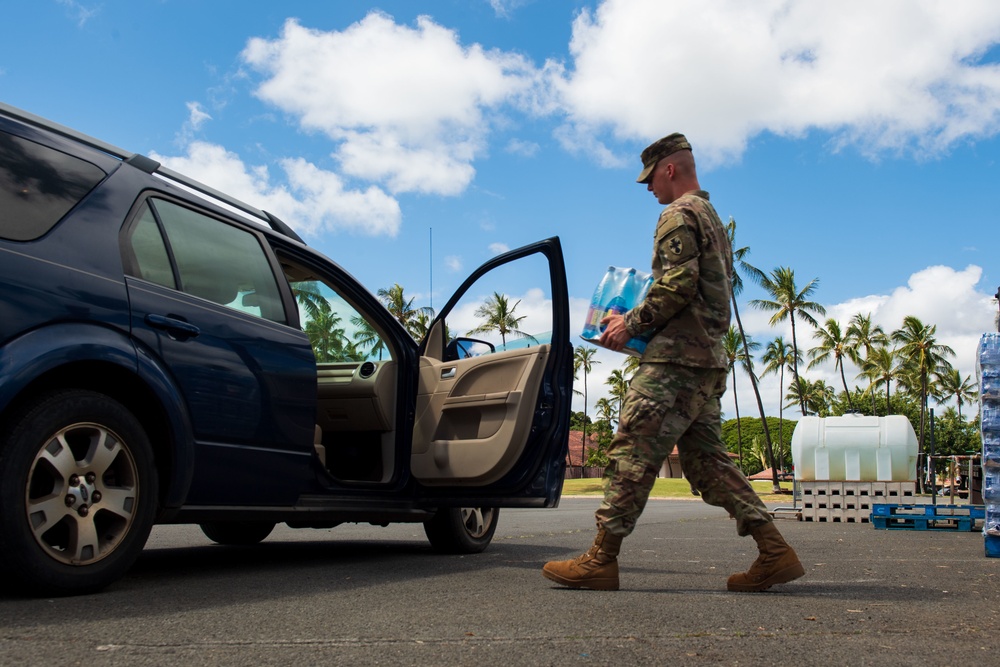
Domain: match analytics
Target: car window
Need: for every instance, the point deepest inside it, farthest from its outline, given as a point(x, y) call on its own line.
point(38, 186)
point(336, 330)
point(508, 308)
point(214, 260)
point(150, 251)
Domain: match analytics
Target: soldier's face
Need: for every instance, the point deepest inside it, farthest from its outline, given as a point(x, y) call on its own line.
point(661, 184)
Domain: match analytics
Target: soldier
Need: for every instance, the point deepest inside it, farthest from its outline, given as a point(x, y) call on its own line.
point(674, 396)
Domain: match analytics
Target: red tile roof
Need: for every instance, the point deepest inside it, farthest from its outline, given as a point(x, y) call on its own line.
point(576, 457)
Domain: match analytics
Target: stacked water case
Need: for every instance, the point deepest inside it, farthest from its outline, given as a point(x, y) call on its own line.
point(988, 370)
point(617, 293)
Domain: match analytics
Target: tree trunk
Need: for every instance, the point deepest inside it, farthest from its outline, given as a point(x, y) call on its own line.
point(920, 441)
point(781, 411)
point(843, 379)
point(739, 429)
point(795, 365)
point(583, 445)
point(760, 405)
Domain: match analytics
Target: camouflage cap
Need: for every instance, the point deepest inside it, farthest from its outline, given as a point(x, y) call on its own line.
point(658, 150)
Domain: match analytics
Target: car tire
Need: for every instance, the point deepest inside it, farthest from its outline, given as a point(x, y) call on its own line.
point(462, 530)
point(78, 495)
point(237, 533)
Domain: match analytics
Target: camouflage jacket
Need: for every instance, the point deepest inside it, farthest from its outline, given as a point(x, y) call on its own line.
point(688, 304)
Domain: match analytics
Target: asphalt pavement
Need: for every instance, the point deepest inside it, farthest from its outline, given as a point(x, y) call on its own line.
point(363, 595)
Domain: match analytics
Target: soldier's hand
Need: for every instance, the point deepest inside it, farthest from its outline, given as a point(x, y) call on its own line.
point(615, 334)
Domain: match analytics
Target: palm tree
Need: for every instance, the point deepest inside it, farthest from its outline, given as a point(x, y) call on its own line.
point(923, 355)
point(421, 323)
point(606, 410)
point(367, 337)
point(815, 396)
point(821, 396)
point(499, 315)
point(619, 386)
point(758, 452)
point(631, 365)
point(777, 357)
point(739, 260)
point(733, 344)
point(583, 359)
point(834, 343)
point(787, 301)
point(951, 385)
point(798, 394)
point(880, 368)
point(324, 334)
point(402, 308)
point(309, 296)
point(861, 333)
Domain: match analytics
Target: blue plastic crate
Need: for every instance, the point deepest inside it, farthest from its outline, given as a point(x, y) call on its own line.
point(992, 546)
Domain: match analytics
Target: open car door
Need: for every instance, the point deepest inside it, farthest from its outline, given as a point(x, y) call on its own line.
point(495, 385)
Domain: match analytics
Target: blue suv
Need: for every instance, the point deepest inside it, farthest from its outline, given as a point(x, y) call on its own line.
point(170, 354)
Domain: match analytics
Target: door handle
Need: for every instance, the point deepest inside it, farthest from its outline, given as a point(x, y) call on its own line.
point(448, 373)
point(175, 328)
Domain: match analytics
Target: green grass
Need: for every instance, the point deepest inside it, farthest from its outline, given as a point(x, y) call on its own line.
point(672, 488)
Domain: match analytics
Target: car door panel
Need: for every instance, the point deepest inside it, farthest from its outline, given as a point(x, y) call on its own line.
point(494, 427)
point(204, 299)
point(474, 416)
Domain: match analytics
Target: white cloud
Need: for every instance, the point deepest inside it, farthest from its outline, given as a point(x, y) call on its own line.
point(412, 108)
point(499, 248)
point(80, 13)
point(880, 76)
point(522, 148)
point(504, 8)
point(453, 263)
point(312, 201)
point(408, 107)
point(197, 117)
point(938, 296)
point(581, 139)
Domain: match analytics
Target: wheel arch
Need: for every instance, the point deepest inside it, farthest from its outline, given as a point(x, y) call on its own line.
point(97, 359)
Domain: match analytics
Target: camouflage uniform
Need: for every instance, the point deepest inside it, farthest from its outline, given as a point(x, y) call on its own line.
point(674, 396)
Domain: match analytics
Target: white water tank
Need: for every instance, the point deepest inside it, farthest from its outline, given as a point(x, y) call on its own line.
point(855, 448)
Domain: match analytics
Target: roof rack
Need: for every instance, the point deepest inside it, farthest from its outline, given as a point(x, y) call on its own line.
point(150, 166)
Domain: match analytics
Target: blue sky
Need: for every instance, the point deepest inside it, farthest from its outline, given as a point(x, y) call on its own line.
point(854, 143)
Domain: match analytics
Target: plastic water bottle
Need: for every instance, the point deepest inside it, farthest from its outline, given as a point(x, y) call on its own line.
point(989, 384)
point(644, 290)
point(991, 526)
point(991, 485)
point(989, 351)
point(989, 416)
point(624, 297)
point(991, 449)
point(598, 305)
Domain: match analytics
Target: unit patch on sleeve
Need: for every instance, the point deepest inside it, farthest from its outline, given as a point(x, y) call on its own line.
point(678, 245)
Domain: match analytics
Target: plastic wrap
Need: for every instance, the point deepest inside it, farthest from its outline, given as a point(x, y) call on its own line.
point(618, 292)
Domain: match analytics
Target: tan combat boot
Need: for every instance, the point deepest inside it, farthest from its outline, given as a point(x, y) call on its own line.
point(597, 569)
point(776, 564)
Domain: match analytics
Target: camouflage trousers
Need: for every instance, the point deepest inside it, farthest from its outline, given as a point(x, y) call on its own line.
point(669, 404)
